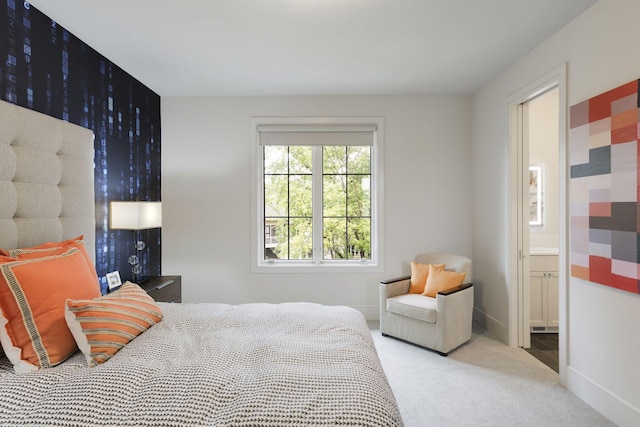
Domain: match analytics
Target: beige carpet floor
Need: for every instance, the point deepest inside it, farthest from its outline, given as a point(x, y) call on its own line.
point(483, 383)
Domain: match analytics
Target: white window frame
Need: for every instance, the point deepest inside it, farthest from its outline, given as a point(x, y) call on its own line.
point(375, 264)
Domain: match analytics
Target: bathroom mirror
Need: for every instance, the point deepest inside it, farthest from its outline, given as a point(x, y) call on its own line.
point(535, 195)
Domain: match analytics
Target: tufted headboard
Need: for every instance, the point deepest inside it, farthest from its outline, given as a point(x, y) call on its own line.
point(46, 180)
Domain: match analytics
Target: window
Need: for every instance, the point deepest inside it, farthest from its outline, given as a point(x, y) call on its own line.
point(317, 191)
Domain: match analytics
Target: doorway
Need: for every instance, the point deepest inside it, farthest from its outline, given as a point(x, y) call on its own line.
point(541, 134)
point(539, 214)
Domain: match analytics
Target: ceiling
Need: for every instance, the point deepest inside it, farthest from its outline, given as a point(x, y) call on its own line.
point(313, 47)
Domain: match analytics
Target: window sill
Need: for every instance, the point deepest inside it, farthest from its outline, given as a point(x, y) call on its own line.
point(308, 268)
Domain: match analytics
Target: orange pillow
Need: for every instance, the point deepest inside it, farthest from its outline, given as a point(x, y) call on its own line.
point(102, 326)
point(54, 248)
point(419, 275)
point(33, 292)
point(442, 280)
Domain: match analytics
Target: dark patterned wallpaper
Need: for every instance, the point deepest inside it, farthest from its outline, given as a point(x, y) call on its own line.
point(47, 69)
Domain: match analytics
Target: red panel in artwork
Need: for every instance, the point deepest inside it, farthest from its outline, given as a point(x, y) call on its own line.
point(624, 283)
point(600, 270)
point(600, 106)
point(600, 209)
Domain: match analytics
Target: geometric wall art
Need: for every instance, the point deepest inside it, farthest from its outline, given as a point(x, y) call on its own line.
point(604, 188)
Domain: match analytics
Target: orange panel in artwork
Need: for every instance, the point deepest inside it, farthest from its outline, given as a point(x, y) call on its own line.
point(600, 209)
point(625, 134)
point(580, 272)
point(624, 119)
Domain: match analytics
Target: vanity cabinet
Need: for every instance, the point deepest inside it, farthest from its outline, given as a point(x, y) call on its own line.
point(543, 284)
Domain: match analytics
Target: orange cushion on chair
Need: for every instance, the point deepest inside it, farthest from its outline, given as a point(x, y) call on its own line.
point(419, 275)
point(102, 326)
point(441, 280)
point(33, 292)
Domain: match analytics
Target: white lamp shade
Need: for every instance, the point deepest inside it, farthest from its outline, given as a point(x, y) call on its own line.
point(135, 215)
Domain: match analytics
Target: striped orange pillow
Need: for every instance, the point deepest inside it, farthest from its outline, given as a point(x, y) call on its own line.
point(54, 248)
point(33, 292)
point(102, 326)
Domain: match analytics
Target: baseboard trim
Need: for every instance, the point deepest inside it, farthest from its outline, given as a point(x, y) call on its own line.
point(491, 325)
point(609, 404)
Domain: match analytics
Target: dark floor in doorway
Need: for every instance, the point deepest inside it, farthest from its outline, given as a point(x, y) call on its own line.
point(544, 347)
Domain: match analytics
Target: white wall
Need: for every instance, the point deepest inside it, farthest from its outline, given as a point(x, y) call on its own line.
point(206, 170)
point(602, 323)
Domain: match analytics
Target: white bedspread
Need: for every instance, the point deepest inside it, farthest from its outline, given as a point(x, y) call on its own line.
point(294, 364)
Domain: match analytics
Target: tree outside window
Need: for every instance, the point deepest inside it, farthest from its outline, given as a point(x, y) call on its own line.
point(345, 194)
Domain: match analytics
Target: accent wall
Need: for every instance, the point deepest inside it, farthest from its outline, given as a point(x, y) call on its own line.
point(46, 68)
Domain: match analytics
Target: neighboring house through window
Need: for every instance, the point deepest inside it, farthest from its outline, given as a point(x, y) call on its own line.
point(317, 191)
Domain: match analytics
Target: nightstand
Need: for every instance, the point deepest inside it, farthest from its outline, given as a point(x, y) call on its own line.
point(163, 288)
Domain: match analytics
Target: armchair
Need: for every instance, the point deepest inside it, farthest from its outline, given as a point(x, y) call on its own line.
point(442, 323)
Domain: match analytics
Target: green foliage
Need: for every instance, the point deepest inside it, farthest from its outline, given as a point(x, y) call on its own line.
point(346, 195)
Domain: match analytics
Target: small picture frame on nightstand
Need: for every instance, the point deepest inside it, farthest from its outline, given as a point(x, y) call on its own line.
point(113, 280)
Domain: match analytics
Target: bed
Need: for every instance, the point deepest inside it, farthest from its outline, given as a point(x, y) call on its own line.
point(199, 364)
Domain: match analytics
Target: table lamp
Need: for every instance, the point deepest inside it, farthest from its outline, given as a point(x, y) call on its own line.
point(136, 216)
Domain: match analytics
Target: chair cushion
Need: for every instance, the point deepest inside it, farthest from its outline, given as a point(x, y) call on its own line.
point(441, 280)
point(413, 305)
point(419, 275)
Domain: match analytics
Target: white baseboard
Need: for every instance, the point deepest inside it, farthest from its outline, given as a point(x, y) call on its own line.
point(618, 410)
point(491, 325)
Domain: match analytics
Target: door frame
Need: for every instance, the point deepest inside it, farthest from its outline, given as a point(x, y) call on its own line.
point(518, 298)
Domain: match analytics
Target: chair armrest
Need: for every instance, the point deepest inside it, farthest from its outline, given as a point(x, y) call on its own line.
point(397, 279)
point(398, 286)
point(456, 289)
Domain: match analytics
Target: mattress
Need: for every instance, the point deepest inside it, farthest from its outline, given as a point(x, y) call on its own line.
point(294, 364)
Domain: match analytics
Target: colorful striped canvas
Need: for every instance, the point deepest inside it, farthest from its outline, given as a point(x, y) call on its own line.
point(604, 188)
point(103, 326)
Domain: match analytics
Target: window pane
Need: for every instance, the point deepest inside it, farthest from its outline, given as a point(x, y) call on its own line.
point(345, 193)
point(275, 241)
point(300, 159)
point(275, 159)
point(334, 238)
point(275, 195)
point(334, 160)
point(359, 238)
point(334, 195)
point(301, 238)
point(359, 159)
point(300, 196)
point(359, 195)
